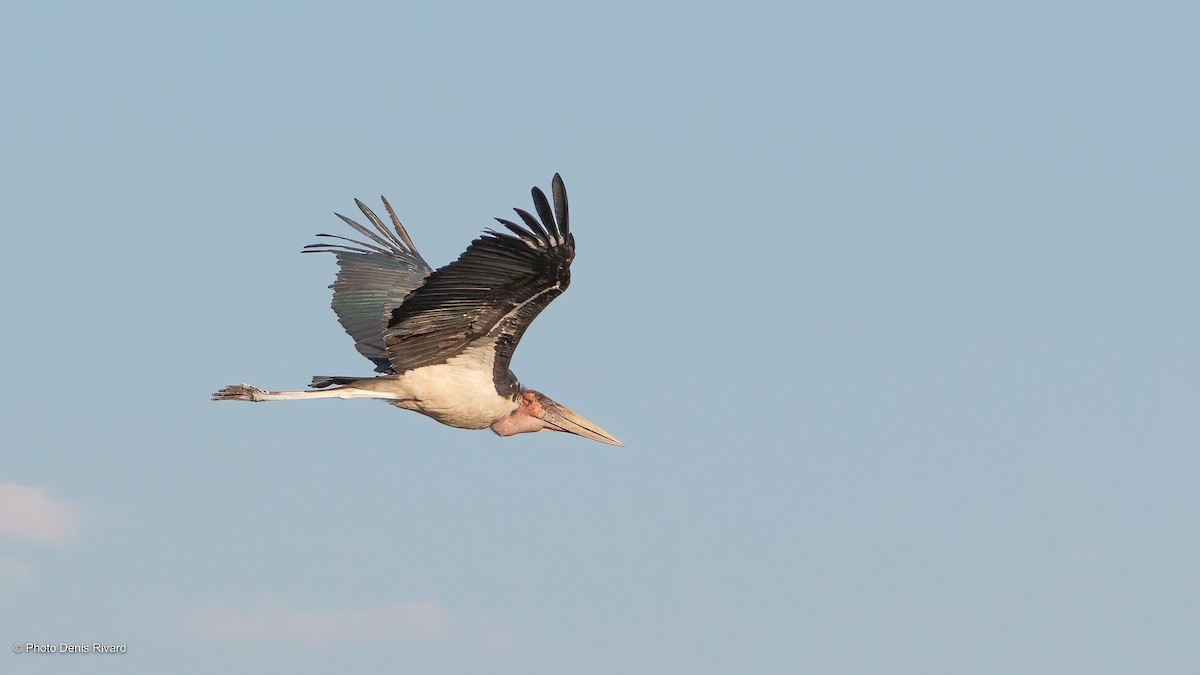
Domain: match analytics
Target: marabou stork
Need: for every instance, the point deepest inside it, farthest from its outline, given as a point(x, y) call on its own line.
point(443, 340)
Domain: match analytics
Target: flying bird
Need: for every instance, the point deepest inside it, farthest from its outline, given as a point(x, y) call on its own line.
point(442, 340)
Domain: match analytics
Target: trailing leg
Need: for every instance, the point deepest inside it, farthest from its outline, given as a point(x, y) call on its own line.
point(245, 392)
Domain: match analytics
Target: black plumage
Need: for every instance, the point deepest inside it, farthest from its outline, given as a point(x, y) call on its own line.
point(372, 280)
point(403, 317)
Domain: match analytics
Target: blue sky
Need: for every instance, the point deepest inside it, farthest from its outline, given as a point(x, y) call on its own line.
point(894, 306)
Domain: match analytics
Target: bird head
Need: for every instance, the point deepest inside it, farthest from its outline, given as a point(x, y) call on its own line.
point(538, 412)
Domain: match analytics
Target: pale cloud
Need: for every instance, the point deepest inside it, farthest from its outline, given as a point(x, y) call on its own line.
point(419, 621)
point(29, 514)
point(14, 572)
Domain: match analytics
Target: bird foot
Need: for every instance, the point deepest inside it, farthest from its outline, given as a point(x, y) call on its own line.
point(239, 392)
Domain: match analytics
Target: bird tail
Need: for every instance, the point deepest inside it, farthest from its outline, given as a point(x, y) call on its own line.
point(322, 381)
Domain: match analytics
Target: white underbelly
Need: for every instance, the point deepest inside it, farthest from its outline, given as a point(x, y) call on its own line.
point(459, 393)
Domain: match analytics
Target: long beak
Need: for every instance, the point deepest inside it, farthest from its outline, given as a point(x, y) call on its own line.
point(563, 419)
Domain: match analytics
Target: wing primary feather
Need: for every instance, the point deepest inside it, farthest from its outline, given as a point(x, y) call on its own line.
point(335, 248)
point(364, 231)
point(560, 204)
point(543, 209)
point(535, 225)
point(521, 233)
point(352, 241)
point(387, 234)
point(399, 227)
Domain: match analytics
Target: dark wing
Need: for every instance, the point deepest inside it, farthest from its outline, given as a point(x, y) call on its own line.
point(373, 279)
point(493, 291)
